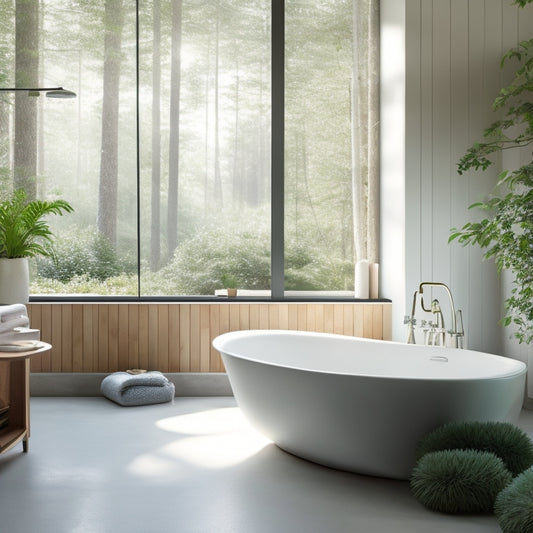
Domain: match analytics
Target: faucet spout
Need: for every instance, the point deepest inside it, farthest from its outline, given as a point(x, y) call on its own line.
point(452, 306)
point(437, 335)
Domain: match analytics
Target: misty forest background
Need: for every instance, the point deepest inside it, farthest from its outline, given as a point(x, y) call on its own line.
point(204, 142)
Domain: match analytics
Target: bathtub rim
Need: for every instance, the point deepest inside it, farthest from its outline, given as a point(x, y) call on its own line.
point(521, 367)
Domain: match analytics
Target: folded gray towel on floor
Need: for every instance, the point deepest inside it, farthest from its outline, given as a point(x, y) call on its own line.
point(138, 389)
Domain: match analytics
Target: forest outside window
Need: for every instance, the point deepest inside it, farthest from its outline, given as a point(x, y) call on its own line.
point(166, 153)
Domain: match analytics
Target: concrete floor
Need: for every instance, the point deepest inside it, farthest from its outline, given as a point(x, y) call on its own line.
point(191, 466)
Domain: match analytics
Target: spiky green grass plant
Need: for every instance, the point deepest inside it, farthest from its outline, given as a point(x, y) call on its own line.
point(503, 439)
point(24, 232)
point(459, 481)
point(514, 505)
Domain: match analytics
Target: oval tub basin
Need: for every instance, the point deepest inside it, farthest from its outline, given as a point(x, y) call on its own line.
point(362, 405)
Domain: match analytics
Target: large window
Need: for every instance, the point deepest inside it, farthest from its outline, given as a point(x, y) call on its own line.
point(168, 153)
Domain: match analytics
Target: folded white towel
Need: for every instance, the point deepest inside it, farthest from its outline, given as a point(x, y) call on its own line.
point(9, 312)
point(13, 316)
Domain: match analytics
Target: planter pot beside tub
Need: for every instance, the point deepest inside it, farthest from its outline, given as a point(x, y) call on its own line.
point(14, 280)
point(24, 233)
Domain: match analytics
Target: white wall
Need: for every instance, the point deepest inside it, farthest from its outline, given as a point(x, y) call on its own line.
point(451, 73)
point(392, 160)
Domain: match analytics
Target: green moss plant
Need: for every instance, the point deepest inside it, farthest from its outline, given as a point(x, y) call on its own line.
point(514, 505)
point(508, 442)
point(459, 481)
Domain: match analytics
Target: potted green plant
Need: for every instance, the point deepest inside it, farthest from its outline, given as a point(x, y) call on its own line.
point(24, 233)
point(506, 231)
point(229, 282)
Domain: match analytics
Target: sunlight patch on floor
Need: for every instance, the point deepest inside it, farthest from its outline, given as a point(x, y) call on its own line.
point(214, 439)
point(212, 422)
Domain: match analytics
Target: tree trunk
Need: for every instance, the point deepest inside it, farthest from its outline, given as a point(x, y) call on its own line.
point(174, 134)
point(107, 199)
point(263, 173)
point(237, 184)
point(359, 185)
point(41, 163)
point(365, 130)
point(206, 129)
point(219, 203)
point(26, 75)
point(5, 152)
point(155, 237)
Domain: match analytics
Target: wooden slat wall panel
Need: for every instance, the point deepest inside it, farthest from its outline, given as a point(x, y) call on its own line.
point(177, 337)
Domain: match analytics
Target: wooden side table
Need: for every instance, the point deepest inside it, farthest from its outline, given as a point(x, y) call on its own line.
point(15, 396)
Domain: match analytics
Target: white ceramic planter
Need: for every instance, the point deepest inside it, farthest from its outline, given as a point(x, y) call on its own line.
point(14, 281)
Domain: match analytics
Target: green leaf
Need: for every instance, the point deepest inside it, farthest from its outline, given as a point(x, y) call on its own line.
point(23, 230)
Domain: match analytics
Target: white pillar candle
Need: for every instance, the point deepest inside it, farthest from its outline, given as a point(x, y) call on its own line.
point(362, 279)
point(374, 280)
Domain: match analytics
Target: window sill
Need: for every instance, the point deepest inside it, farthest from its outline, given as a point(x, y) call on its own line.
point(243, 295)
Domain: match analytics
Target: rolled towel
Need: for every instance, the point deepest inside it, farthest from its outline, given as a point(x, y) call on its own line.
point(139, 389)
point(13, 316)
point(9, 312)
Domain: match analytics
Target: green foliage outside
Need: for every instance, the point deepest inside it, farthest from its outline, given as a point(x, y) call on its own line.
point(84, 263)
point(200, 264)
point(80, 253)
point(506, 231)
point(124, 285)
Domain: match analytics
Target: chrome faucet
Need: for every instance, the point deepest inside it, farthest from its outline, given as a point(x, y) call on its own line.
point(437, 335)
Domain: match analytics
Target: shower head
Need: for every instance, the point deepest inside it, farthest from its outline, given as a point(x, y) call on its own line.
point(51, 92)
point(60, 93)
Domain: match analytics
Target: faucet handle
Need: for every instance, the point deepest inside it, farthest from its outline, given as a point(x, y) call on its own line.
point(460, 327)
point(409, 320)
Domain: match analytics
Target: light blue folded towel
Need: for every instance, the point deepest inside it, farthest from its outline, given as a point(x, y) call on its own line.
point(137, 389)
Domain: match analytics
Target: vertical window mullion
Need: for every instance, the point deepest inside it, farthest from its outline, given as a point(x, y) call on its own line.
point(138, 148)
point(278, 150)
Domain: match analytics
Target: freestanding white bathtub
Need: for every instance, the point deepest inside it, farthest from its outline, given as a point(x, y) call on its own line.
point(358, 404)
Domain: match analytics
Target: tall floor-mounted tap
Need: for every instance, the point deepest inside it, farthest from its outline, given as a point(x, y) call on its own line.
point(438, 336)
point(411, 322)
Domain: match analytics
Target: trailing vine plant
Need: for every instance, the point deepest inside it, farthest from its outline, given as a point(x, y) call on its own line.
point(506, 231)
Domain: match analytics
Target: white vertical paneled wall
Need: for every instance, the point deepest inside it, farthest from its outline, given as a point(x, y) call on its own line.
point(453, 50)
point(440, 73)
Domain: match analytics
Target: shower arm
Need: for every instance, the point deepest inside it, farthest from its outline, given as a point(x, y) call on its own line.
point(436, 284)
